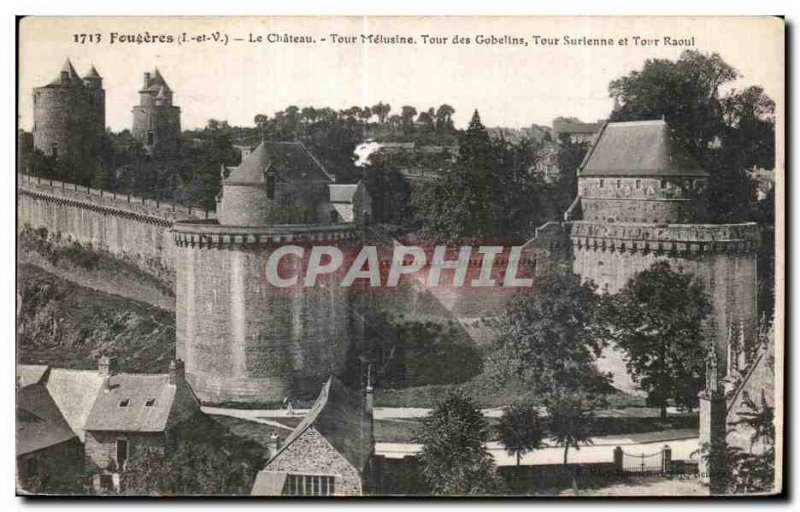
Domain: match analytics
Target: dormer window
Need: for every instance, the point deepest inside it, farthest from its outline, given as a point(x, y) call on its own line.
point(150, 402)
point(124, 402)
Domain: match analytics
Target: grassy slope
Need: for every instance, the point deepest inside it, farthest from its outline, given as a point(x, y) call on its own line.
point(66, 325)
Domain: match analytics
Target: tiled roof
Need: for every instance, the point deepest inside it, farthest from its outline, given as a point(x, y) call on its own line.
point(638, 148)
point(342, 193)
point(290, 161)
point(339, 417)
point(39, 422)
point(124, 405)
point(28, 374)
point(269, 483)
point(74, 391)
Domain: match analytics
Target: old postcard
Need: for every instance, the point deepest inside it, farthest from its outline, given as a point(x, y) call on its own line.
point(400, 256)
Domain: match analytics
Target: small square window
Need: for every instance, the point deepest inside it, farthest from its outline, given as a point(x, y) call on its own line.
point(663, 184)
point(150, 402)
point(124, 403)
point(638, 184)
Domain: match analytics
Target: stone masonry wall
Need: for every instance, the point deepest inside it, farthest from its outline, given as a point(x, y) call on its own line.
point(244, 340)
point(127, 226)
point(722, 257)
point(101, 447)
point(311, 454)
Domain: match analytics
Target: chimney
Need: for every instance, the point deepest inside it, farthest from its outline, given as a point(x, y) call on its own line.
point(177, 372)
point(106, 368)
point(274, 444)
point(146, 81)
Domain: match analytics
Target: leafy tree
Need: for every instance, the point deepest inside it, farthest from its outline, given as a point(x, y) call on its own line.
point(657, 319)
point(520, 429)
point(390, 193)
point(381, 110)
point(551, 337)
point(444, 117)
point(454, 457)
point(727, 134)
point(570, 156)
point(407, 115)
point(571, 418)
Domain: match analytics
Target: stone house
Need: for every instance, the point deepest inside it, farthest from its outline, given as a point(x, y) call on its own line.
point(134, 413)
point(111, 416)
point(49, 453)
point(329, 453)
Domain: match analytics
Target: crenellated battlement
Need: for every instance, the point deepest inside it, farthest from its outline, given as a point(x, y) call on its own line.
point(209, 233)
point(103, 201)
point(684, 239)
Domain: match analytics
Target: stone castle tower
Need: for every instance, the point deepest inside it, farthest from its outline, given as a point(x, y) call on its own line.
point(156, 121)
point(641, 199)
point(243, 339)
point(69, 115)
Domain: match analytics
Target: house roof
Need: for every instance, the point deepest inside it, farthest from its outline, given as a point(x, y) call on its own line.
point(338, 415)
point(74, 392)
point(290, 161)
point(638, 148)
point(28, 374)
point(342, 193)
point(269, 483)
point(123, 406)
point(40, 424)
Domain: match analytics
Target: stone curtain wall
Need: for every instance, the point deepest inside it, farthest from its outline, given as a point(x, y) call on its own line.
point(722, 257)
point(126, 226)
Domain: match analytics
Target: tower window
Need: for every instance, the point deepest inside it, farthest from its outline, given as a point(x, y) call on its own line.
point(270, 187)
point(602, 182)
point(619, 183)
point(55, 150)
point(663, 184)
point(150, 138)
point(638, 184)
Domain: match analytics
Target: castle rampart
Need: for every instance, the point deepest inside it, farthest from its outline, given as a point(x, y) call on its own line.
point(125, 225)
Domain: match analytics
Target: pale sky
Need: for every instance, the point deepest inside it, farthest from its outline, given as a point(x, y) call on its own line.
point(511, 86)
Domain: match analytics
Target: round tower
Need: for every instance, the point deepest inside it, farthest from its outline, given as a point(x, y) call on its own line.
point(156, 121)
point(641, 200)
point(67, 114)
point(244, 339)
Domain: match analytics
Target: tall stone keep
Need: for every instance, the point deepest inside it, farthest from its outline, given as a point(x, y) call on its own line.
point(244, 339)
point(69, 115)
point(641, 199)
point(156, 121)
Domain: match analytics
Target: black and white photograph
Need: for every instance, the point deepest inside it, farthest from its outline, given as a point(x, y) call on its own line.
point(399, 256)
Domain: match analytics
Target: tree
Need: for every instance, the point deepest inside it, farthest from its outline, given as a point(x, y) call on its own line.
point(407, 114)
point(444, 117)
point(571, 418)
point(550, 338)
point(657, 319)
point(454, 457)
point(520, 429)
point(727, 134)
point(570, 155)
point(381, 110)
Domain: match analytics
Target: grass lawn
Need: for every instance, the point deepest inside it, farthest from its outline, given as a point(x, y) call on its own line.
point(647, 486)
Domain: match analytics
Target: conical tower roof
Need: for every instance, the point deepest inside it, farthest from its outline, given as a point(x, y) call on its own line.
point(92, 73)
point(72, 75)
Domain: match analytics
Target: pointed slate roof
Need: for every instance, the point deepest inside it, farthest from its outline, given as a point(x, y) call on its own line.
point(74, 391)
point(92, 73)
point(338, 415)
point(290, 161)
point(40, 424)
point(72, 76)
point(639, 148)
point(156, 82)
